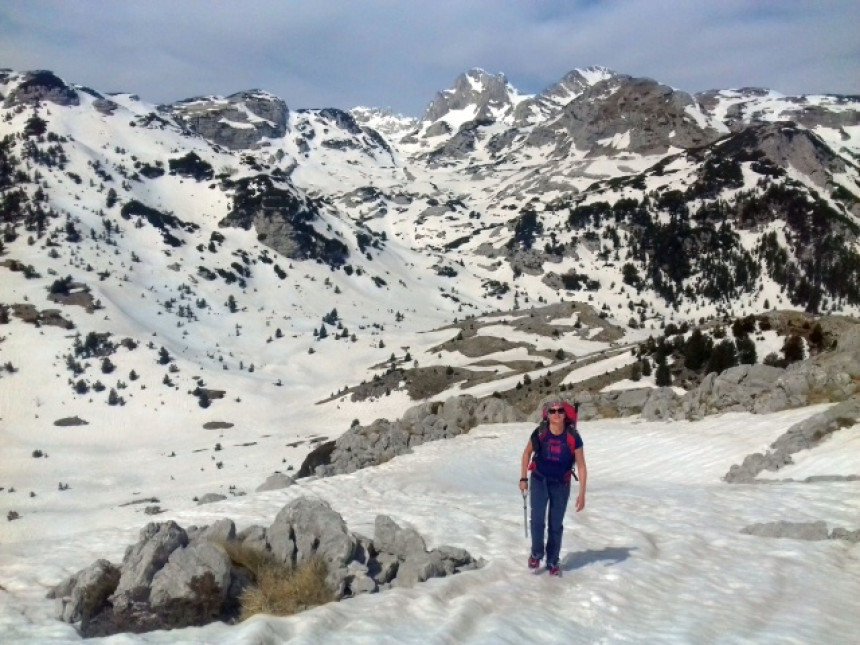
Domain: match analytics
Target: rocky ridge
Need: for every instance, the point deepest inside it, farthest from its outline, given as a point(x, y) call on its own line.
point(760, 389)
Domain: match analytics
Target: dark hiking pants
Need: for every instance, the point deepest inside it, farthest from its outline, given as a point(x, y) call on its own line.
point(554, 494)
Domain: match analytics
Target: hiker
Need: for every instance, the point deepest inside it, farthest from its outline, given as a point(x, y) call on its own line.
point(550, 454)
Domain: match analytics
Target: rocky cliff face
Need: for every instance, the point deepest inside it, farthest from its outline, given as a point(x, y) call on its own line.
point(636, 115)
point(549, 103)
point(39, 86)
point(283, 220)
point(239, 121)
point(487, 96)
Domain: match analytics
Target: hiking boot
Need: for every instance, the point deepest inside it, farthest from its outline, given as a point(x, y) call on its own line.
point(534, 563)
point(555, 571)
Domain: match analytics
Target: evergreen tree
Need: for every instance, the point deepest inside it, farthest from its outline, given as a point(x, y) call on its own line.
point(697, 350)
point(746, 351)
point(723, 357)
point(663, 377)
point(816, 337)
point(646, 367)
point(792, 349)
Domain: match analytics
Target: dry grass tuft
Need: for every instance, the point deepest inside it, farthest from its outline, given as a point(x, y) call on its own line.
point(280, 589)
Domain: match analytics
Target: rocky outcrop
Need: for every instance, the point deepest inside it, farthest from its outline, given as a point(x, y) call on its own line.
point(800, 436)
point(41, 85)
point(761, 389)
point(283, 220)
point(276, 481)
point(488, 94)
point(82, 595)
point(810, 531)
point(363, 446)
point(174, 578)
point(239, 121)
point(550, 101)
point(650, 117)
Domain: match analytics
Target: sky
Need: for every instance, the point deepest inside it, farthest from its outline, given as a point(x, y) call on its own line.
point(397, 54)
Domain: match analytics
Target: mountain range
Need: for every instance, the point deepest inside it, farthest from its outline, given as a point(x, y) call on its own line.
point(241, 243)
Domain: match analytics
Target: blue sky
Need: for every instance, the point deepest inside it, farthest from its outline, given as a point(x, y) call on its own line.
point(399, 53)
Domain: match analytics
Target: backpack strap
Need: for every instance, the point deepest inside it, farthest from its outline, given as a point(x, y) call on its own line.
point(538, 434)
point(570, 431)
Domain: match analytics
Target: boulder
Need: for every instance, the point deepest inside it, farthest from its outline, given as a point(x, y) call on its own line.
point(419, 567)
point(144, 559)
point(192, 587)
point(390, 538)
point(223, 530)
point(308, 527)
point(209, 498)
point(276, 481)
point(83, 595)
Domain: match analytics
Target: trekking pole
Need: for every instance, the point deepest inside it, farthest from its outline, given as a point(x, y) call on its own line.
point(525, 516)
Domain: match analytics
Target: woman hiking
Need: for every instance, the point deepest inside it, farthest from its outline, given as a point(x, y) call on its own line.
point(553, 449)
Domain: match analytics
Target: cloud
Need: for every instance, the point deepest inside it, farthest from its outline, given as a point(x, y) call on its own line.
point(391, 53)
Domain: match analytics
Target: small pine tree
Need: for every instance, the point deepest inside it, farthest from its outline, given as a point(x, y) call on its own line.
point(646, 367)
point(663, 377)
point(792, 349)
point(723, 357)
point(746, 351)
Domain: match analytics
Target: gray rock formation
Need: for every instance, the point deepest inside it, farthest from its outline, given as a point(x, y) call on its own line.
point(167, 581)
point(550, 101)
point(756, 388)
point(363, 446)
point(209, 498)
point(307, 528)
point(195, 581)
point(654, 117)
point(237, 122)
point(791, 530)
point(41, 85)
point(276, 481)
point(812, 531)
point(801, 436)
point(82, 595)
point(283, 220)
point(143, 559)
point(488, 93)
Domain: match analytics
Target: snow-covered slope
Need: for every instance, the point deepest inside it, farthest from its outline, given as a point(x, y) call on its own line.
point(657, 555)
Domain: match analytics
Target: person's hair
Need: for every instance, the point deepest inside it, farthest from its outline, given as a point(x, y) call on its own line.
point(554, 403)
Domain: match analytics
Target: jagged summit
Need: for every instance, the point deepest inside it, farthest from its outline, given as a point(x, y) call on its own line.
point(549, 102)
point(475, 96)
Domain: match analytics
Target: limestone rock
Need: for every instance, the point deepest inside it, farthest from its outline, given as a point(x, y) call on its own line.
point(82, 595)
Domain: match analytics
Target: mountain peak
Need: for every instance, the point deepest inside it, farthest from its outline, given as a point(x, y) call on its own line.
point(476, 94)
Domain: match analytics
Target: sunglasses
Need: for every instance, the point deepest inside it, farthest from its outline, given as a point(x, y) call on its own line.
point(555, 411)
